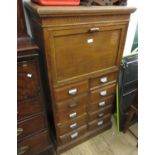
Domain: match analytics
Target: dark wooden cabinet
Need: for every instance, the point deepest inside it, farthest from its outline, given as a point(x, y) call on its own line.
point(32, 124)
point(82, 49)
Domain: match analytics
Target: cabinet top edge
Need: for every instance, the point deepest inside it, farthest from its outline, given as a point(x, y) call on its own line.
point(50, 11)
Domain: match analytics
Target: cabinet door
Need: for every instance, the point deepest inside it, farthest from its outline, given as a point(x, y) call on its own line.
point(84, 51)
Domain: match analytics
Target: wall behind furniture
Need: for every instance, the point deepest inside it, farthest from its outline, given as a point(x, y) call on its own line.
point(131, 29)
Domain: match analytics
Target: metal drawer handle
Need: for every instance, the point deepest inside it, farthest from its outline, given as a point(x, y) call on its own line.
point(72, 91)
point(94, 29)
point(22, 150)
point(73, 104)
point(73, 126)
point(103, 93)
point(29, 75)
point(103, 79)
point(101, 115)
point(73, 114)
point(19, 131)
point(74, 135)
point(101, 104)
point(99, 123)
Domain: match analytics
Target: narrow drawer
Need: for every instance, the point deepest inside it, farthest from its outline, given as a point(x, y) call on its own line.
point(93, 106)
point(71, 104)
point(30, 126)
point(99, 122)
point(72, 124)
point(33, 144)
point(29, 107)
point(27, 79)
point(103, 80)
point(71, 91)
point(73, 135)
point(101, 93)
point(70, 115)
point(100, 113)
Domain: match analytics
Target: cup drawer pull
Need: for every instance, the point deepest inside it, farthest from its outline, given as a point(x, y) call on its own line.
point(103, 93)
point(94, 29)
point(99, 123)
point(74, 135)
point(100, 114)
point(73, 126)
point(19, 131)
point(29, 75)
point(101, 104)
point(72, 91)
point(22, 150)
point(73, 104)
point(103, 79)
point(73, 114)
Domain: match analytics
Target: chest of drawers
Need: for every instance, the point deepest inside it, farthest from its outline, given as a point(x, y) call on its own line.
point(82, 51)
point(32, 126)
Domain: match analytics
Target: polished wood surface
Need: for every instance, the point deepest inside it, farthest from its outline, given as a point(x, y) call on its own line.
point(82, 49)
point(32, 124)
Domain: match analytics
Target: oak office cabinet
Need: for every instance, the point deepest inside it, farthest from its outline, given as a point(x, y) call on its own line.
point(82, 51)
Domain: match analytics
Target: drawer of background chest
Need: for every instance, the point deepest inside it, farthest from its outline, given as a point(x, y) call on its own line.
point(70, 91)
point(99, 122)
point(99, 94)
point(72, 104)
point(101, 104)
point(72, 124)
point(31, 125)
point(29, 107)
point(103, 80)
point(100, 113)
point(73, 135)
point(70, 115)
point(27, 79)
point(31, 145)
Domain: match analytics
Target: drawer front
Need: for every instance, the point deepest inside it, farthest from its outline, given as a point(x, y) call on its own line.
point(72, 104)
point(73, 135)
point(93, 106)
point(93, 49)
point(27, 79)
point(70, 115)
point(72, 124)
point(101, 93)
point(100, 113)
point(29, 107)
point(103, 80)
point(30, 126)
point(71, 91)
point(99, 122)
point(33, 144)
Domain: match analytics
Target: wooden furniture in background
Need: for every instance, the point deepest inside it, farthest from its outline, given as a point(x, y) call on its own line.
point(82, 49)
point(32, 125)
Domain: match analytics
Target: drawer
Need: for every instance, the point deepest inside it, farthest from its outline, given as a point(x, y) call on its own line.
point(30, 126)
point(31, 145)
point(29, 107)
point(71, 91)
point(73, 135)
point(70, 115)
point(72, 104)
point(72, 124)
point(103, 80)
point(101, 104)
point(27, 79)
point(99, 122)
point(100, 113)
point(101, 93)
